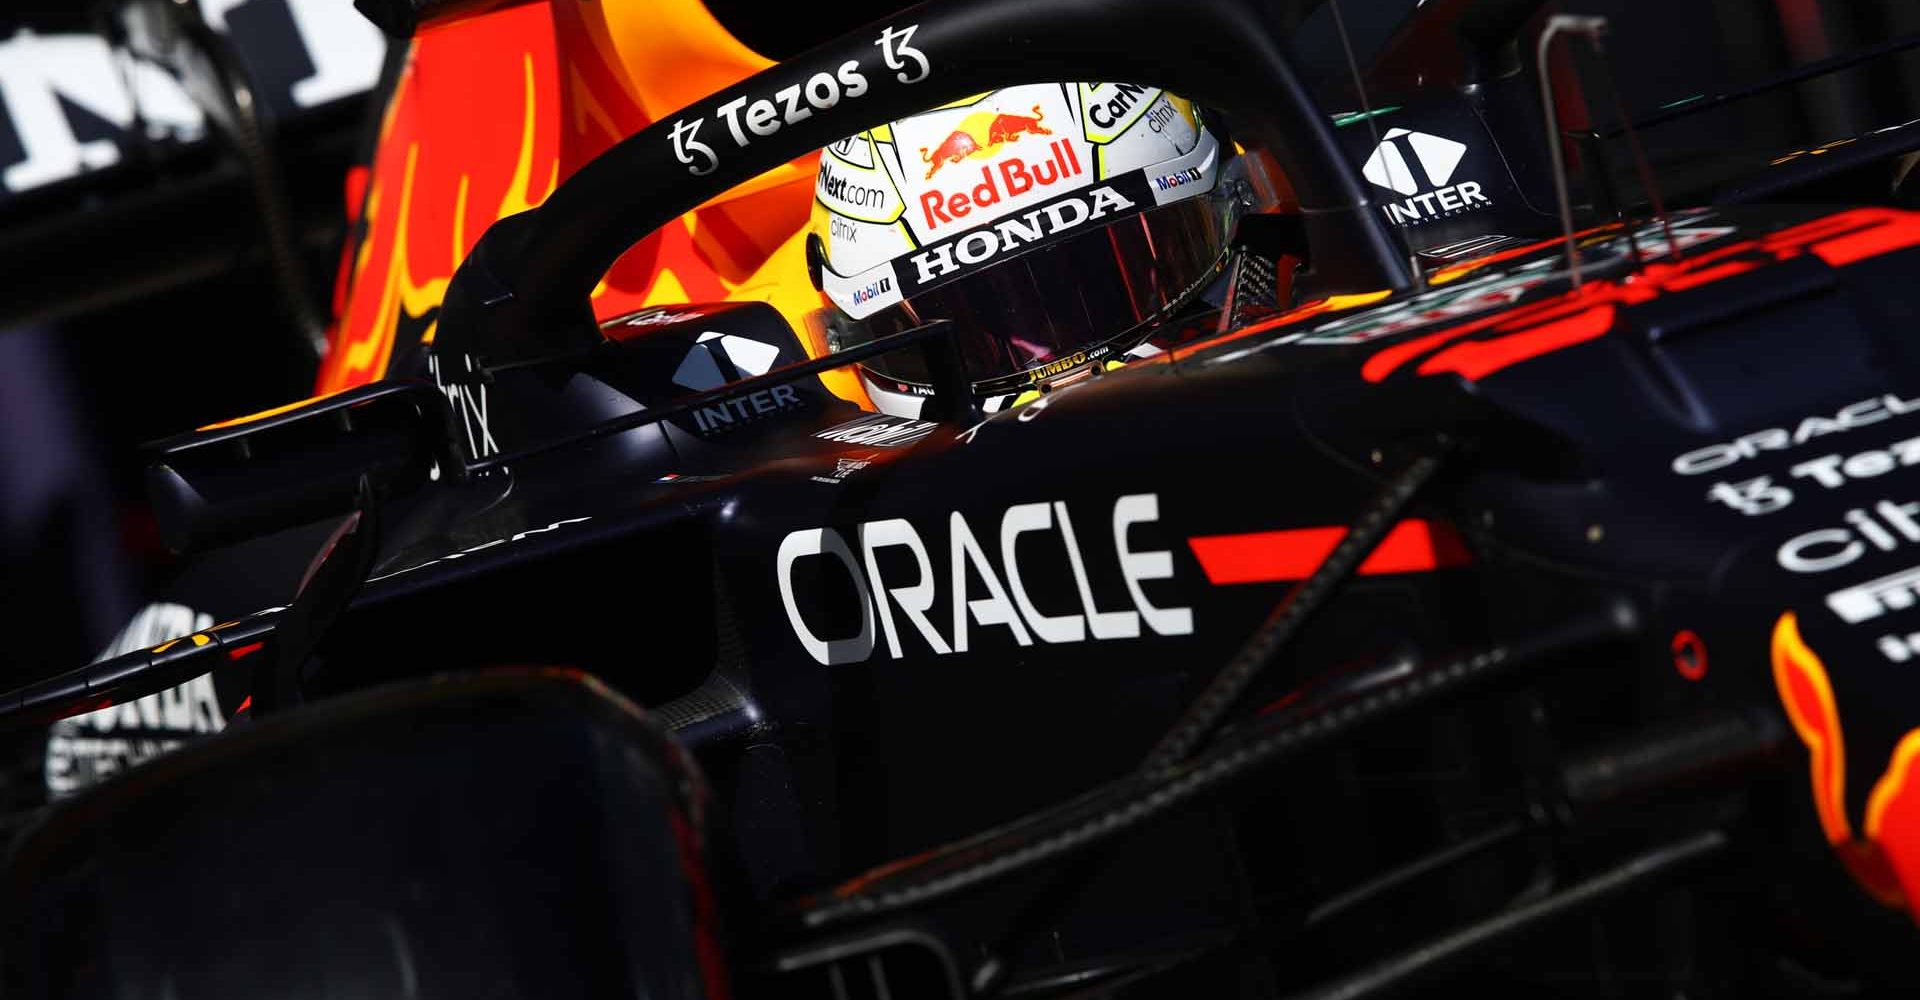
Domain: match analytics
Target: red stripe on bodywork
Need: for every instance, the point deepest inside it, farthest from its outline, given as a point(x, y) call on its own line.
point(1477, 359)
point(1894, 232)
point(1413, 546)
point(1577, 316)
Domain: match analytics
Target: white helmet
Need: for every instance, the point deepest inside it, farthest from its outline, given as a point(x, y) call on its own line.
point(1055, 224)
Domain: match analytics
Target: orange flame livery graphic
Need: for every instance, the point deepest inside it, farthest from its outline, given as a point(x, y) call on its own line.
point(1886, 859)
point(493, 111)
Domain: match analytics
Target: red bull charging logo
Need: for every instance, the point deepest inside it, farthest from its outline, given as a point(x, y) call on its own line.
point(981, 133)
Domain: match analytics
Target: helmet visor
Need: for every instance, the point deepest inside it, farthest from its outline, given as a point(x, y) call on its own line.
point(1059, 305)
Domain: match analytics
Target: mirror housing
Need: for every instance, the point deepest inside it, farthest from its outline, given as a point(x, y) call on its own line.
point(299, 464)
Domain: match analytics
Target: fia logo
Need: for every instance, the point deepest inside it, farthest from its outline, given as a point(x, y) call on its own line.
point(1420, 167)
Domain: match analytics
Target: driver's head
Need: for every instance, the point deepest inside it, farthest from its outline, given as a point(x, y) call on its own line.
point(1054, 224)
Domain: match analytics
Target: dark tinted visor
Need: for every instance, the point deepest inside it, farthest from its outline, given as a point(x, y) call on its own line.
point(1038, 314)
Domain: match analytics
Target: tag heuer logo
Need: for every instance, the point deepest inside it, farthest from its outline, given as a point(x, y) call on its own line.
point(1421, 167)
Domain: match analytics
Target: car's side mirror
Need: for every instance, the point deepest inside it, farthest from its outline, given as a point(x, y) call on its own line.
point(299, 464)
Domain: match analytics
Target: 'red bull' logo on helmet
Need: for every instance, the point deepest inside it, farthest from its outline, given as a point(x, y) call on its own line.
point(1006, 128)
point(957, 146)
point(1010, 178)
point(969, 140)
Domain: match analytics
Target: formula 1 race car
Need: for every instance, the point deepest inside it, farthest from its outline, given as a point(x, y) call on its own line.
point(1534, 616)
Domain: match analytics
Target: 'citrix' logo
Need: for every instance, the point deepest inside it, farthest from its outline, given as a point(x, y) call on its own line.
point(1420, 166)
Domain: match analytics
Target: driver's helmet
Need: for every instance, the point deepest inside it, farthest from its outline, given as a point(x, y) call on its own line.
point(1056, 225)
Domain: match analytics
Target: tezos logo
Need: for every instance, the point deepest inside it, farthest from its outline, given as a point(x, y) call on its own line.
point(1420, 167)
point(794, 103)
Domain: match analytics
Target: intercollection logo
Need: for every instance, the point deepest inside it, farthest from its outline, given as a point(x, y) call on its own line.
point(1420, 167)
point(700, 370)
point(1391, 165)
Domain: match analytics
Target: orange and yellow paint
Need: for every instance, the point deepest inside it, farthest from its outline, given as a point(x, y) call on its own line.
point(1884, 855)
point(491, 113)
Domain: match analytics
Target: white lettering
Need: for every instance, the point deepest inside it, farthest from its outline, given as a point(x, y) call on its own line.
point(1452, 200)
point(731, 112)
point(1135, 567)
point(1020, 229)
point(852, 79)
point(983, 244)
point(994, 609)
point(789, 98)
point(1104, 624)
point(1794, 554)
point(942, 256)
point(1017, 521)
point(1850, 417)
point(823, 92)
point(915, 600)
point(1824, 470)
point(763, 118)
point(976, 247)
point(896, 49)
point(1006, 601)
point(1058, 211)
point(816, 542)
point(1901, 517)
